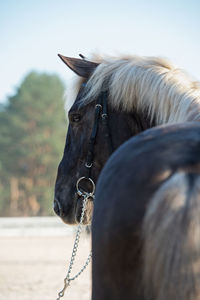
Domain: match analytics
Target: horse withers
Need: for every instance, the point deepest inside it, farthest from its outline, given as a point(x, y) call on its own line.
point(140, 93)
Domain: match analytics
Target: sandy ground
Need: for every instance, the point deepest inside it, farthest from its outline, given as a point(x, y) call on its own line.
point(33, 267)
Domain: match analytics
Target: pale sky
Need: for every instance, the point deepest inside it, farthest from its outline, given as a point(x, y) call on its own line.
point(32, 32)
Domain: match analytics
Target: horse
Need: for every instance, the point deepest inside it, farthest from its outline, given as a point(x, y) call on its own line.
point(135, 123)
point(146, 223)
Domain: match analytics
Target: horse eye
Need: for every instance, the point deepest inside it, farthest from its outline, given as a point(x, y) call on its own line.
point(75, 118)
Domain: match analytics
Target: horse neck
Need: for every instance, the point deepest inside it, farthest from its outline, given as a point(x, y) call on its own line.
point(126, 125)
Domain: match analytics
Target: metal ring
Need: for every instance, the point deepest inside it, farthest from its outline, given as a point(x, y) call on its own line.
point(104, 116)
point(84, 192)
point(98, 105)
point(88, 165)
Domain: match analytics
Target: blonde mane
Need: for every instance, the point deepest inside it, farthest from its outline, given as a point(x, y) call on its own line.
point(147, 84)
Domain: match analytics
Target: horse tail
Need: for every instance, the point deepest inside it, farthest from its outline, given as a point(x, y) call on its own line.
point(171, 232)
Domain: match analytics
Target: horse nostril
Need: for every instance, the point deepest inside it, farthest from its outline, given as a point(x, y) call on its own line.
point(57, 208)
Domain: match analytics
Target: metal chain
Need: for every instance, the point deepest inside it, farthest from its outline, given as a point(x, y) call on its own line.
point(67, 279)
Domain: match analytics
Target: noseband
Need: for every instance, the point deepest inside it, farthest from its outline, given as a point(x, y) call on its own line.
point(101, 113)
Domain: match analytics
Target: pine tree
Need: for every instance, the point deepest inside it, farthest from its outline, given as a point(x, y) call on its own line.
point(32, 134)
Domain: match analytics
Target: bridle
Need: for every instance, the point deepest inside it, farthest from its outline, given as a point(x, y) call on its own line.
point(101, 114)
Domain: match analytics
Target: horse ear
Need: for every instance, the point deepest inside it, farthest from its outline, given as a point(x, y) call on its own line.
point(81, 67)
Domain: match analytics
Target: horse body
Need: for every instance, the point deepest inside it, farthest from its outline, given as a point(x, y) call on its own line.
point(132, 259)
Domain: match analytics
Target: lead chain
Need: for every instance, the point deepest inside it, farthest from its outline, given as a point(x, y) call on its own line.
point(67, 279)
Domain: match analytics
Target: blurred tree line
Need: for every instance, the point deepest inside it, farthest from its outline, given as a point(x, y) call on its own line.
point(32, 135)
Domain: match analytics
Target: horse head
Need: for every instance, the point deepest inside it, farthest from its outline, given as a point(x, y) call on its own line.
point(85, 154)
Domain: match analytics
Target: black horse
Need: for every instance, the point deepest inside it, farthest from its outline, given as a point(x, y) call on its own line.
point(146, 223)
point(142, 242)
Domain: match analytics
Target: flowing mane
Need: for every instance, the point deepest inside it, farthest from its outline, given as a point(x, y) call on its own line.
point(147, 84)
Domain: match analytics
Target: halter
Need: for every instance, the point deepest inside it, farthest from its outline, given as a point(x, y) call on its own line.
point(101, 112)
